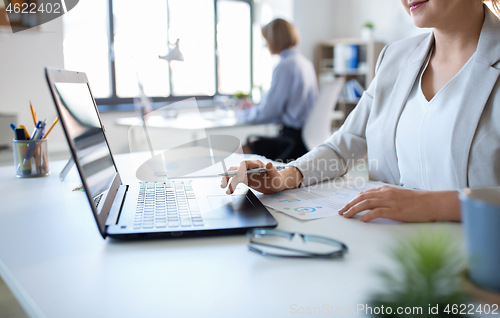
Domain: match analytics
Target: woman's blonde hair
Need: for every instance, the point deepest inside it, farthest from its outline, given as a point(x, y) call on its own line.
point(280, 35)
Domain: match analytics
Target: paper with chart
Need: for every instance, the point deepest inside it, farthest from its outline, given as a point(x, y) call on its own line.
point(318, 201)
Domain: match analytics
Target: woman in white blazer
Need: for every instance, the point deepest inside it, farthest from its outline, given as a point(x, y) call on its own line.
point(429, 121)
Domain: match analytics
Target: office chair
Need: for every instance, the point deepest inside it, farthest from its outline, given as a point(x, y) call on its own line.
point(318, 125)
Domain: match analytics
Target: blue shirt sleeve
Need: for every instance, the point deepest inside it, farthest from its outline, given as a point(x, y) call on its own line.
point(272, 106)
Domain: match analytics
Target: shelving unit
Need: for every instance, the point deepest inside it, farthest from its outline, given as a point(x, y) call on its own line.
point(363, 72)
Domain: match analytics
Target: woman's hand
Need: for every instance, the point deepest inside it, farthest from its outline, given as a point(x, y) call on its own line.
point(270, 181)
point(404, 205)
point(244, 103)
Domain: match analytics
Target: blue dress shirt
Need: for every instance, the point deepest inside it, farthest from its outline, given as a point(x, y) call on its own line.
point(292, 94)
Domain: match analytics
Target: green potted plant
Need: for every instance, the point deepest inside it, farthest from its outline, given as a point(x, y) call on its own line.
point(426, 276)
point(241, 95)
point(244, 100)
point(367, 31)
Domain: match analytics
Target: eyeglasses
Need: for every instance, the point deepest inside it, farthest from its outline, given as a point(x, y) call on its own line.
point(286, 244)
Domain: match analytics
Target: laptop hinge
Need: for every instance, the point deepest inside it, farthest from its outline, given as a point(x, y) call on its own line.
point(116, 208)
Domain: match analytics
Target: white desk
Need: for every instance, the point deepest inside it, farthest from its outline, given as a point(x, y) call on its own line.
point(196, 125)
point(57, 265)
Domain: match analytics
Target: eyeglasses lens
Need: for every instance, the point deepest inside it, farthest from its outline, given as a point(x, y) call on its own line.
point(296, 246)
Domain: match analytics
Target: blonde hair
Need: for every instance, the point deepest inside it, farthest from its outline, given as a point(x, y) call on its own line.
point(280, 35)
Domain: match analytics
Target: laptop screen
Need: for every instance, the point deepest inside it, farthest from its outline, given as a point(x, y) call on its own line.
point(84, 129)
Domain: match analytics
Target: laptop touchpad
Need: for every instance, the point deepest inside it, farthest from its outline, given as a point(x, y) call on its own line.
point(225, 205)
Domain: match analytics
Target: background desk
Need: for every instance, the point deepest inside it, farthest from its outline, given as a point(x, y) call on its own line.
point(188, 127)
point(57, 265)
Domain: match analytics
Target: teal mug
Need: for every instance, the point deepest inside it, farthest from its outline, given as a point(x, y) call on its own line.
point(481, 222)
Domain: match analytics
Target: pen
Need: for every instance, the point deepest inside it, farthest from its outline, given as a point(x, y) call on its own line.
point(42, 130)
point(22, 150)
point(41, 162)
point(36, 135)
point(33, 134)
point(13, 127)
point(232, 173)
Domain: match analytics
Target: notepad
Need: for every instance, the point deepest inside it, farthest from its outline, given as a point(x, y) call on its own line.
point(317, 201)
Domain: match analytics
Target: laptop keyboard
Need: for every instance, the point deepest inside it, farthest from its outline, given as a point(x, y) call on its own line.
point(166, 205)
point(97, 200)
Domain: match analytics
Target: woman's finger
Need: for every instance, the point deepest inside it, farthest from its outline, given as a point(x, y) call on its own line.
point(241, 175)
point(225, 179)
point(273, 177)
point(377, 189)
point(249, 163)
point(241, 171)
point(376, 213)
point(362, 196)
point(367, 204)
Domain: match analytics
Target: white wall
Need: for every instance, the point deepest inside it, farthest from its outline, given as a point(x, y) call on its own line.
point(317, 21)
point(280, 8)
point(390, 19)
point(320, 20)
point(23, 57)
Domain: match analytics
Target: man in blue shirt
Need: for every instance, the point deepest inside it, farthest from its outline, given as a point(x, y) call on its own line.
point(291, 97)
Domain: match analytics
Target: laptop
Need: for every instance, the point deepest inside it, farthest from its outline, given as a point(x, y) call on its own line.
point(173, 208)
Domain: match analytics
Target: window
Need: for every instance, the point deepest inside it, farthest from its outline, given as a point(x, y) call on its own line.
point(140, 35)
point(234, 47)
point(86, 44)
point(117, 43)
point(193, 22)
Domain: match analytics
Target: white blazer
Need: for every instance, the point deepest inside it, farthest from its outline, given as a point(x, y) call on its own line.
point(370, 130)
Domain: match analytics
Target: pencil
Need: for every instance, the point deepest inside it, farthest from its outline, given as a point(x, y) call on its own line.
point(55, 122)
point(33, 114)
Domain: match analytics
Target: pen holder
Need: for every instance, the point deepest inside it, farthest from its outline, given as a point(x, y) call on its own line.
point(31, 158)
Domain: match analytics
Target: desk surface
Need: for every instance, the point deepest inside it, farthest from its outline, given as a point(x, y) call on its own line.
point(185, 121)
point(57, 265)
